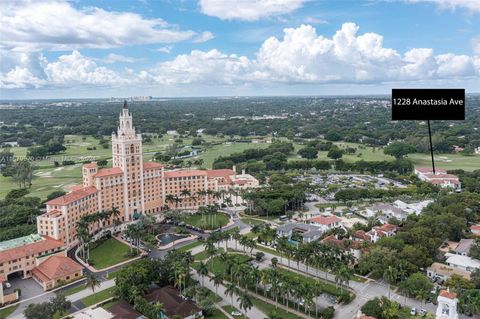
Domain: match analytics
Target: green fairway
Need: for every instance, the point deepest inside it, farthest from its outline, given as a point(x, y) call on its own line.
point(99, 296)
point(207, 221)
point(226, 149)
point(109, 253)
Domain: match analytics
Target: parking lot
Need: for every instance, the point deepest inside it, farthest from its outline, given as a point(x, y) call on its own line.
point(29, 287)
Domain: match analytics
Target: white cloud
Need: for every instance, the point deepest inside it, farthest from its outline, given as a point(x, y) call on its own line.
point(165, 49)
point(473, 5)
point(113, 58)
point(57, 25)
point(249, 10)
point(212, 67)
point(204, 37)
point(20, 78)
point(300, 56)
point(476, 45)
point(76, 69)
point(314, 20)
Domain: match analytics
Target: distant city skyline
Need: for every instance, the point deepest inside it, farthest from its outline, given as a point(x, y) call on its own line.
point(90, 49)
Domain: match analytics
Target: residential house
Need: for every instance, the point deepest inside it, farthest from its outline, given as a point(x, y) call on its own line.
point(475, 229)
point(439, 178)
point(56, 270)
point(377, 232)
point(462, 262)
point(463, 247)
point(325, 222)
point(386, 211)
point(349, 245)
point(439, 271)
point(299, 232)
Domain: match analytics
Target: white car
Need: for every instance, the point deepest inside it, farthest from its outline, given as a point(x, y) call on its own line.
point(413, 312)
point(236, 313)
point(8, 285)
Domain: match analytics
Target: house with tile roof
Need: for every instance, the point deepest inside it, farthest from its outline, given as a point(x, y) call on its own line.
point(440, 178)
point(325, 222)
point(56, 270)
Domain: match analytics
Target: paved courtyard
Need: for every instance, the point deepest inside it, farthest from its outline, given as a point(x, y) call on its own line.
point(29, 287)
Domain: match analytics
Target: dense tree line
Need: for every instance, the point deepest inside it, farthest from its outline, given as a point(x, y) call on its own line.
point(18, 214)
point(356, 119)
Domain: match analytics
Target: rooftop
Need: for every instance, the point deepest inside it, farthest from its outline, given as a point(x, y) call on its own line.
point(123, 310)
point(325, 220)
point(20, 241)
point(30, 249)
point(152, 165)
point(448, 294)
point(109, 171)
point(462, 261)
point(185, 173)
point(73, 196)
point(464, 246)
point(56, 267)
point(97, 313)
point(446, 270)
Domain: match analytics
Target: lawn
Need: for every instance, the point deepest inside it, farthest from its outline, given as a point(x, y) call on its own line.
point(269, 308)
point(208, 221)
point(215, 265)
point(326, 287)
point(99, 296)
point(189, 246)
point(73, 290)
point(5, 312)
point(109, 253)
point(217, 314)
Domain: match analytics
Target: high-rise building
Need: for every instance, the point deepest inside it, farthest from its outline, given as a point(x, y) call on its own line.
point(134, 187)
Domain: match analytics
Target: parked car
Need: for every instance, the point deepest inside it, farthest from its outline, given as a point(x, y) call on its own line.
point(8, 285)
point(413, 312)
point(423, 312)
point(236, 313)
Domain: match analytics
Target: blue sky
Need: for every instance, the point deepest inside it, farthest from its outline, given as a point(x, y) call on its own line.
point(55, 49)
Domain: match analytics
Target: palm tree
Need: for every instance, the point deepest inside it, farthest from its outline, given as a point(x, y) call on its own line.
point(390, 276)
point(116, 218)
point(245, 302)
point(202, 271)
point(91, 281)
point(343, 276)
point(231, 290)
point(185, 193)
point(217, 281)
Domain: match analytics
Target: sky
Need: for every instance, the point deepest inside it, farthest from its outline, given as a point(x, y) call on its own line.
point(179, 48)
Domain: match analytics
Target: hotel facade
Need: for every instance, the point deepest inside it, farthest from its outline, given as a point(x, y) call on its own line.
point(134, 187)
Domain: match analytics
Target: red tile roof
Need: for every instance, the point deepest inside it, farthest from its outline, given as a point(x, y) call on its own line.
point(366, 317)
point(325, 220)
point(220, 172)
point(475, 227)
point(90, 165)
point(73, 196)
point(448, 294)
point(430, 170)
point(56, 267)
point(185, 173)
point(109, 172)
point(30, 249)
point(152, 165)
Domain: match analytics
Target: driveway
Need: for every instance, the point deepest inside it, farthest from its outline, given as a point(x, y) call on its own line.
point(29, 287)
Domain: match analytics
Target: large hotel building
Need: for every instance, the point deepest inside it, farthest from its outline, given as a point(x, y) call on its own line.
point(134, 187)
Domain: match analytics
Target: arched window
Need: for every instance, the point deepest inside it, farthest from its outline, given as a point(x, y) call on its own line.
point(132, 149)
point(118, 148)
